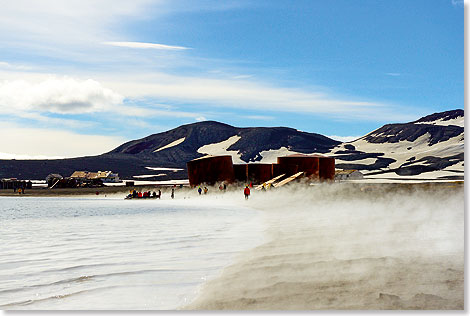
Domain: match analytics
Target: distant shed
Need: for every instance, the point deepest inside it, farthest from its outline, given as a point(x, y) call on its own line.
point(348, 175)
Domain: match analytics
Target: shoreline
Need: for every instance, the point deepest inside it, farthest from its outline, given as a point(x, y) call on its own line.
point(363, 185)
point(332, 261)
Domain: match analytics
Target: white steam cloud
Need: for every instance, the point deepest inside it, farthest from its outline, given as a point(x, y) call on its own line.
point(348, 247)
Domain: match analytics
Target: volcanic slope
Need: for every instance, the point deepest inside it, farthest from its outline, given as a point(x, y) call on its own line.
point(173, 148)
point(431, 147)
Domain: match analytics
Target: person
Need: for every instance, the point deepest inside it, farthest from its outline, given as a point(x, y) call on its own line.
point(247, 192)
point(221, 187)
point(172, 193)
point(154, 194)
point(225, 187)
point(199, 190)
point(205, 190)
point(139, 194)
point(159, 194)
point(134, 193)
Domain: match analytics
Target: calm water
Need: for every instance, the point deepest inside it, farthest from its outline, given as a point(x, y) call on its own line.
point(105, 253)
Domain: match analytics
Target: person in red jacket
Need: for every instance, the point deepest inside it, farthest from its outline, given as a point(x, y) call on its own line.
point(247, 192)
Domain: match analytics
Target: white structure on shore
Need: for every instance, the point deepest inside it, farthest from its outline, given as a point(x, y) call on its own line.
point(348, 175)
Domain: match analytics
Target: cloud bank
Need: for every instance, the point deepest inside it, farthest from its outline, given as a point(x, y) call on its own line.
point(52, 143)
point(57, 95)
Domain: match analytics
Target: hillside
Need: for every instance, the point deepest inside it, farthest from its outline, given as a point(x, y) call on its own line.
point(430, 147)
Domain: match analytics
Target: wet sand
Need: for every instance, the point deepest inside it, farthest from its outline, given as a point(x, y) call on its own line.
point(343, 248)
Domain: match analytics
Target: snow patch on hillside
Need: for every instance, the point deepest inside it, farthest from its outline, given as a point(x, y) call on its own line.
point(365, 161)
point(150, 175)
point(163, 169)
point(458, 121)
point(220, 149)
point(403, 150)
point(270, 156)
point(172, 144)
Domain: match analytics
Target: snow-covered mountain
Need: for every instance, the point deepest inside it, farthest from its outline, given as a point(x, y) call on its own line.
point(430, 147)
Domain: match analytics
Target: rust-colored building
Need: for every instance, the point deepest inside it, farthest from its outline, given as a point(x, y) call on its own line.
point(292, 164)
point(327, 169)
point(210, 169)
point(241, 172)
point(213, 169)
point(316, 167)
point(260, 172)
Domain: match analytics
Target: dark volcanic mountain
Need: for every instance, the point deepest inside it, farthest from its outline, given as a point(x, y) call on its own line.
point(172, 149)
point(432, 143)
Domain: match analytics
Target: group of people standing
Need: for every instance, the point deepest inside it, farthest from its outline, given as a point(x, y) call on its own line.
point(200, 190)
point(223, 187)
point(145, 195)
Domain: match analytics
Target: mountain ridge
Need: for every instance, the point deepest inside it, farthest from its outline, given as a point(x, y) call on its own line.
point(431, 143)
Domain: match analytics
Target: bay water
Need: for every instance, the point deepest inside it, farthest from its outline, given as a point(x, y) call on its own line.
point(99, 252)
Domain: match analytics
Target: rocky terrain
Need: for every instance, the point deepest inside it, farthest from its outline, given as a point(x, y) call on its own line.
point(430, 147)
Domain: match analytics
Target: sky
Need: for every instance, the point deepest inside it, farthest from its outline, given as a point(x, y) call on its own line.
point(80, 77)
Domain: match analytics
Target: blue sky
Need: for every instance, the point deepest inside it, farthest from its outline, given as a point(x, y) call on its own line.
point(81, 77)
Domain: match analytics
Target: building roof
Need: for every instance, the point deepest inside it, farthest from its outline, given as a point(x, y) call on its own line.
point(307, 155)
point(90, 175)
point(79, 174)
point(54, 175)
point(211, 156)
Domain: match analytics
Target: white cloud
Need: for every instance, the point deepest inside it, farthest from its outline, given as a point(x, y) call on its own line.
point(393, 74)
point(258, 117)
point(146, 45)
point(249, 94)
point(56, 95)
point(52, 143)
point(201, 119)
point(6, 65)
point(69, 21)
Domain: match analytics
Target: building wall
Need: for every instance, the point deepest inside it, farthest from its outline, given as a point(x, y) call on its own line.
point(293, 164)
point(327, 169)
point(240, 172)
point(276, 170)
point(210, 170)
point(260, 172)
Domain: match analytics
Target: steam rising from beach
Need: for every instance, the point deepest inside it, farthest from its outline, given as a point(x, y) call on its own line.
point(348, 247)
